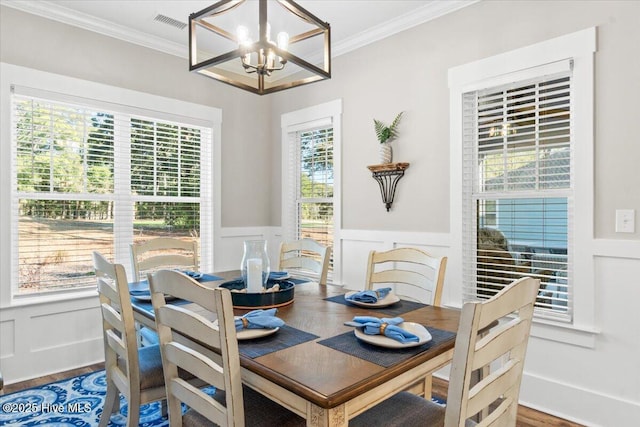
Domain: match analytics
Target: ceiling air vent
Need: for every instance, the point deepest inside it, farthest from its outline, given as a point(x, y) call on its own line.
point(170, 21)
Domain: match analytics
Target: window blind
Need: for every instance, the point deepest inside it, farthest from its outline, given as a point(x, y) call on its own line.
point(310, 203)
point(88, 177)
point(517, 197)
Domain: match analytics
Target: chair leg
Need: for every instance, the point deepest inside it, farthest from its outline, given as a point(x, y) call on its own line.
point(111, 403)
point(133, 412)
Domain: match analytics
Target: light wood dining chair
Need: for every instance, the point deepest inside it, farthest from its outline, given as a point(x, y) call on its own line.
point(491, 334)
point(163, 252)
point(307, 257)
point(184, 333)
point(134, 372)
point(414, 273)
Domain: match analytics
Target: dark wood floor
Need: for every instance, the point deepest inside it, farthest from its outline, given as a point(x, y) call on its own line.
point(526, 417)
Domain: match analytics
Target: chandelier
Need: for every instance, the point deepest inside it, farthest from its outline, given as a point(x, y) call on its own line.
point(232, 41)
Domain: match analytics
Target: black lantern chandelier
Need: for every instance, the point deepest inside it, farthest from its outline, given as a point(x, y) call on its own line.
point(232, 41)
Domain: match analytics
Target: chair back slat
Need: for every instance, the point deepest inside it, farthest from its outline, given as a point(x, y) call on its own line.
point(494, 386)
point(509, 336)
point(201, 402)
point(188, 323)
point(487, 339)
point(195, 363)
point(306, 255)
point(414, 274)
point(163, 252)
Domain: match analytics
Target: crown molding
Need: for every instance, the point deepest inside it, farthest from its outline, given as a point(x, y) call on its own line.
point(432, 10)
point(98, 25)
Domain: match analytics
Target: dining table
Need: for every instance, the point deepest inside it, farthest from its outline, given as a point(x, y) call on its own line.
point(315, 366)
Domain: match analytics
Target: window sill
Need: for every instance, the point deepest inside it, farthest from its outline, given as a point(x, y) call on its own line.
point(53, 297)
point(560, 332)
point(564, 333)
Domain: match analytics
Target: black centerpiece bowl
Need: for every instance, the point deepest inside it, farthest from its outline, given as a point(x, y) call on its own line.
point(267, 299)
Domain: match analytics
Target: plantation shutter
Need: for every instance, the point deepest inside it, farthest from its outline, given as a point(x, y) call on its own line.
point(517, 206)
point(84, 172)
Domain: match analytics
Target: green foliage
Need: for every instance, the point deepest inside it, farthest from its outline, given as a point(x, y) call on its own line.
point(386, 133)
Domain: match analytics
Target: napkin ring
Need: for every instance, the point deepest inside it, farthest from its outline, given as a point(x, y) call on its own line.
point(245, 322)
point(383, 326)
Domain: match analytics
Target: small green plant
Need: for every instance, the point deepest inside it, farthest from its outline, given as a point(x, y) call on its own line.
point(387, 133)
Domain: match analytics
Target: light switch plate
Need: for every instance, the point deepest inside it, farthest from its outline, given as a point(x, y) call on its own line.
point(625, 221)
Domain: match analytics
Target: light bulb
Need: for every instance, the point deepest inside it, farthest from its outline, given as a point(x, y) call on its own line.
point(243, 34)
point(283, 40)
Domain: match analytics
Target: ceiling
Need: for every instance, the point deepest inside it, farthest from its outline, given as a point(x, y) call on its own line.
point(354, 23)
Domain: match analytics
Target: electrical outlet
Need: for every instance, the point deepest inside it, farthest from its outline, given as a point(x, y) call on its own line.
point(625, 221)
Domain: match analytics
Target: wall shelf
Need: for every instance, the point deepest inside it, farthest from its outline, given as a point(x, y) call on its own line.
point(387, 175)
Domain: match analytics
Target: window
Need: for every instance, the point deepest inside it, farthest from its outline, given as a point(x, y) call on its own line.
point(521, 169)
point(309, 205)
point(519, 143)
point(96, 176)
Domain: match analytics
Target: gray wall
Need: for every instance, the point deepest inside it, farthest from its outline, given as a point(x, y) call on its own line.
point(408, 72)
point(42, 44)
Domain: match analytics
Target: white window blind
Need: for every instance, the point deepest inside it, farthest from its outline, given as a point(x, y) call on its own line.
point(315, 186)
point(517, 189)
point(98, 177)
point(312, 163)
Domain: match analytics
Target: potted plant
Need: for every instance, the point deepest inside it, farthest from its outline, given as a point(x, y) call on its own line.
point(385, 135)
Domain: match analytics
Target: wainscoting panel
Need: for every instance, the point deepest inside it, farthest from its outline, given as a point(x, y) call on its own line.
point(44, 338)
point(7, 332)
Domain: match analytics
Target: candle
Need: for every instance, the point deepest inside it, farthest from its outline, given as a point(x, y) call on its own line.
point(254, 275)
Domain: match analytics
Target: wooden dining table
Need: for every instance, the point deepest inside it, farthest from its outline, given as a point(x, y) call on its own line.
point(330, 384)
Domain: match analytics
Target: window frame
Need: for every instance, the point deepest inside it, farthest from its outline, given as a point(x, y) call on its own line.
point(517, 65)
point(530, 192)
point(97, 96)
point(329, 113)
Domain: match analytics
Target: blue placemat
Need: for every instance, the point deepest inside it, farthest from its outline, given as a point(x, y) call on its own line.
point(348, 343)
point(399, 308)
point(286, 337)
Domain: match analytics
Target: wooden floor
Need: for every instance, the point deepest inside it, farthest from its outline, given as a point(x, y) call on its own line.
point(526, 417)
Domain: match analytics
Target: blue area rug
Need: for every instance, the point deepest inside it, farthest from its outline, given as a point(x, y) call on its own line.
point(76, 402)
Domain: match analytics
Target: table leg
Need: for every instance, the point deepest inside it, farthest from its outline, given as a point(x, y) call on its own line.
point(320, 417)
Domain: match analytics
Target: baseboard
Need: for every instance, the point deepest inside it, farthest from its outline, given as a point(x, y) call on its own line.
point(576, 404)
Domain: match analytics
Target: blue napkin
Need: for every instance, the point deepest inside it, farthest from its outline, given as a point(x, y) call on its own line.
point(258, 319)
point(193, 274)
point(372, 326)
point(277, 275)
point(140, 293)
point(370, 297)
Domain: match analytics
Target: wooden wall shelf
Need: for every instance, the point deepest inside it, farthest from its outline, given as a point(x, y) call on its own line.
point(387, 176)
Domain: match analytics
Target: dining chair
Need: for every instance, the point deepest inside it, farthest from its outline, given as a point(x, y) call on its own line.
point(163, 252)
point(305, 256)
point(133, 372)
point(491, 334)
point(160, 253)
point(414, 273)
point(208, 349)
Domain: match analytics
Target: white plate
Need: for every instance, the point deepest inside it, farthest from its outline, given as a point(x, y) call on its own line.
point(391, 298)
point(249, 334)
point(284, 277)
point(382, 341)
